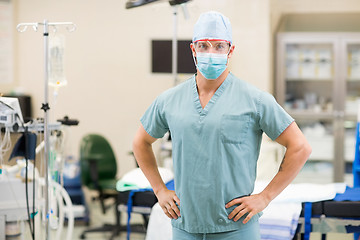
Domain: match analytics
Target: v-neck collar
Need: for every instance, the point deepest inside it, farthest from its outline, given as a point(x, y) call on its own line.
point(217, 94)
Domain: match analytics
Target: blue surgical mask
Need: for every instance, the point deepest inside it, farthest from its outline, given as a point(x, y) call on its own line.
point(211, 65)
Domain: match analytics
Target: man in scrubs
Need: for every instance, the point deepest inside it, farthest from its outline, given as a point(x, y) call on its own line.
point(216, 123)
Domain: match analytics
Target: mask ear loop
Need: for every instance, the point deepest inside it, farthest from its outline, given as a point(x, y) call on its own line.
point(228, 54)
point(229, 48)
point(194, 56)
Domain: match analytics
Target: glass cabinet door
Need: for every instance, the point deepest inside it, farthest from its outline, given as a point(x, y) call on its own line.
point(320, 166)
point(309, 81)
point(352, 68)
point(309, 74)
point(351, 76)
point(318, 83)
point(349, 150)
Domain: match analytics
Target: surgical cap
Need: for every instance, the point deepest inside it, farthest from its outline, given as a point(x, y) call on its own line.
point(213, 26)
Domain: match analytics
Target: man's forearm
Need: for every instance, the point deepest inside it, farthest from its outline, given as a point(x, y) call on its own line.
point(291, 165)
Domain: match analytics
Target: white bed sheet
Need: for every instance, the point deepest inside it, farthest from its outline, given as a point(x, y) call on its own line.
point(273, 226)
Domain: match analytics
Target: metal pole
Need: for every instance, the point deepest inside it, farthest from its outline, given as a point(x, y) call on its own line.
point(45, 106)
point(46, 132)
point(174, 45)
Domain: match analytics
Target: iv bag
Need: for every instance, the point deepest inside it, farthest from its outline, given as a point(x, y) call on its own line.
point(56, 61)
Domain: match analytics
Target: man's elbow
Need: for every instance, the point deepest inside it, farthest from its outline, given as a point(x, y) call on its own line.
point(137, 142)
point(306, 150)
point(140, 142)
point(135, 145)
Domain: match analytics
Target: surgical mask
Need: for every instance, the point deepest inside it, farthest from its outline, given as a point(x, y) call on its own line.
point(211, 65)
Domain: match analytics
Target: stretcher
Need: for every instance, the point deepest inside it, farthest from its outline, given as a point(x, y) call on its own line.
point(342, 214)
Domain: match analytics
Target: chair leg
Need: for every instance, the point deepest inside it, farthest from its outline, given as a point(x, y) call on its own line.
point(118, 228)
point(146, 219)
point(115, 229)
point(104, 228)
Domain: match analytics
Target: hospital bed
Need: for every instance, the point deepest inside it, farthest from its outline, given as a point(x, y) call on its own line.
point(329, 216)
point(326, 215)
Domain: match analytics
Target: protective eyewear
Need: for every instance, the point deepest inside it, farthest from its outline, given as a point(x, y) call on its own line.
point(220, 47)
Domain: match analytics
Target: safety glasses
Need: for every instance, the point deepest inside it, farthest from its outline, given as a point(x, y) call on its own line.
point(220, 47)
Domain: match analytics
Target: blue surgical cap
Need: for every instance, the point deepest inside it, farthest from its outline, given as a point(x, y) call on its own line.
point(212, 26)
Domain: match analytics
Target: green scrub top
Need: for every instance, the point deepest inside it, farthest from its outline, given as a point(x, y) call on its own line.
point(215, 149)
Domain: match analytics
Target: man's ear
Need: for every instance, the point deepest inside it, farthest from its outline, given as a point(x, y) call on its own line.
point(231, 50)
point(192, 47)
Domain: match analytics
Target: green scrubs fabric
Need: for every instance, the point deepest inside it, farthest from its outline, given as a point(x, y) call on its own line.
point(251, 231)
point(215, 149)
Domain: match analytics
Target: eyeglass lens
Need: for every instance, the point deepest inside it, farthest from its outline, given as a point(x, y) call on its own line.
point(218, 47)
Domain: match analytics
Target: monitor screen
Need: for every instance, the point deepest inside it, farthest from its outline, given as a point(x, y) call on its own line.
point(162, 57)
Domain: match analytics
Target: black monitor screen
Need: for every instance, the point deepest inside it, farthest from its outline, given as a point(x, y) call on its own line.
point(162, 57)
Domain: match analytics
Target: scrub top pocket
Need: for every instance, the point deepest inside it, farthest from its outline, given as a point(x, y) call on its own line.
point(234, 128)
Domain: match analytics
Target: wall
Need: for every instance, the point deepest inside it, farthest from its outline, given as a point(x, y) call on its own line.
point(107, 60)
point(279, 7)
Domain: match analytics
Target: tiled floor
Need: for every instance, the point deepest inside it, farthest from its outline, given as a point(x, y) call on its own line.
point(97, 219)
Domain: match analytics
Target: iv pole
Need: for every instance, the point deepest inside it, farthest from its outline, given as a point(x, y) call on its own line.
point(22, 27)
point(174, 46)
point(174, 39)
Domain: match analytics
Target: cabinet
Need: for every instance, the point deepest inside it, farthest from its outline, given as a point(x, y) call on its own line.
point(318, 83)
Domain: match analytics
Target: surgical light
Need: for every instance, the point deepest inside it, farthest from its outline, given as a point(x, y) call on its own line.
point(138, 3)
point(174, 4)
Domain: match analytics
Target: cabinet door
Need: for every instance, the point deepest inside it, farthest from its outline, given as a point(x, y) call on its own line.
point(306, 73)
point(350, 75)
point(321, 136)
point(307, 87)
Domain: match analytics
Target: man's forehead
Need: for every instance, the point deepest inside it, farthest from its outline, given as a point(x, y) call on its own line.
point(212, 41)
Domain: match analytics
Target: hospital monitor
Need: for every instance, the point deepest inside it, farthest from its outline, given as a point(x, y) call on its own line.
point(162, 57)
point(10, 112)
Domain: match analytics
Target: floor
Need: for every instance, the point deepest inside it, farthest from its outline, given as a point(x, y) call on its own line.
point(97, 219)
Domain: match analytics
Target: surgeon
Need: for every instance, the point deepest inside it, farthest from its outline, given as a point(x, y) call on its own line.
point(216, 121)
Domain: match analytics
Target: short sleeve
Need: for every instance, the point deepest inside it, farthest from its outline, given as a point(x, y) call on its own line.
point(154, 120)
point(273, 119)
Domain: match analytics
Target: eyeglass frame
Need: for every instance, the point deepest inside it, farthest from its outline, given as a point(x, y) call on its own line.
point(228, 48)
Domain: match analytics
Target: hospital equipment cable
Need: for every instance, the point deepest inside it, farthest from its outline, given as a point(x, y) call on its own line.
point(30, 216)
point(32, 229)
point(4, 147)
point(15, 128)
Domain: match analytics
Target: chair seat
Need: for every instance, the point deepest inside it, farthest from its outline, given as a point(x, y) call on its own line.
point(105, 184)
